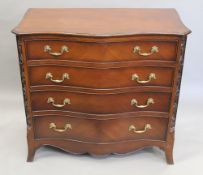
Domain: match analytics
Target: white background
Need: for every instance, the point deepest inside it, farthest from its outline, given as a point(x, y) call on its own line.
point(188, 152)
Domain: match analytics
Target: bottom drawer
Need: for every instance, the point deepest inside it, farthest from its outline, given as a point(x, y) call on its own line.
point(98, 130)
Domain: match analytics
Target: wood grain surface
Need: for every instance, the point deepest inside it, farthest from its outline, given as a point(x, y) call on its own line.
point(101, 22)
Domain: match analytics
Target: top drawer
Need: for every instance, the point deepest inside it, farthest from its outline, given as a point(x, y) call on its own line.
point(101, 52)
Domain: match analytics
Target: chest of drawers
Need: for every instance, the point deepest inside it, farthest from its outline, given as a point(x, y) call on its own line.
point(101, 81)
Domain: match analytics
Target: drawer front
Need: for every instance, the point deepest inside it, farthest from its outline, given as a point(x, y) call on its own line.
point(87, 51)
point(100, 78)
point(92, 130)
point(100, 103)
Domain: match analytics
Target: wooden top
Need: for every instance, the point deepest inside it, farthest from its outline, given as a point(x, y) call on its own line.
point(101, 22)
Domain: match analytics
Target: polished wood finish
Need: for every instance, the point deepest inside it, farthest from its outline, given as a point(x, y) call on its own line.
point(97, 78)
point(96, 51)
point(100, 103)
point(99, 130)
point(101, 22)
point(99, 61)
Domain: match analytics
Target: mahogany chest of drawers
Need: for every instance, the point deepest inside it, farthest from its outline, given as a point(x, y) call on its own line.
point(101, 81)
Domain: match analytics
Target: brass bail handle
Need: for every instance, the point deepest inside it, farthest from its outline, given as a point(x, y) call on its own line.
point(133, 128)
point(137, 50)
point(48, 49)
point(65, 101)
point(50, 77)
point(53, 126)
point(152, 76)
point(134, 102)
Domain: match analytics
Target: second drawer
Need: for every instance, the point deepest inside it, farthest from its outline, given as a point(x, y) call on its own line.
point(101, 78)
point(100, 103)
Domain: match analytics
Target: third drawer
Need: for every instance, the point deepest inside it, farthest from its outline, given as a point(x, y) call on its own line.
point(100, 103)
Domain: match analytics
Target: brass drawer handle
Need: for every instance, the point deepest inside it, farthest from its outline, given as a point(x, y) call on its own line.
point(133, 128)
point(150, 78)
point(48, 49)
point(50, 76)
point(137, 49)
point(65, 101)
point(149, 101)
point(53, 126)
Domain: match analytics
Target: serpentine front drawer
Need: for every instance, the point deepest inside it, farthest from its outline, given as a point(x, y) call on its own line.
point(100, 103)
point(101, 78)
point(108, 51)
point(89, 130)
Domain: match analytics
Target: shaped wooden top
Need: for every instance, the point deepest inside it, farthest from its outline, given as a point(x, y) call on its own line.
point(101, 22)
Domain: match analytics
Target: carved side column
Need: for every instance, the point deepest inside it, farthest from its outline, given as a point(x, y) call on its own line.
point(30, 136)
point(172, 120)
